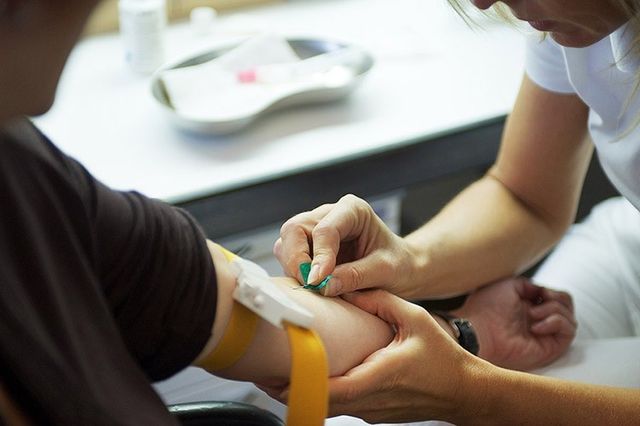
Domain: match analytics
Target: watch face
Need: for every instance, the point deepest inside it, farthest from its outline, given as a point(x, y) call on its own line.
point(467, 335)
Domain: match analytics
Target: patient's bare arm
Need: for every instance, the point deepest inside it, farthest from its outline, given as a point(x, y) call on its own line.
point(348, 333)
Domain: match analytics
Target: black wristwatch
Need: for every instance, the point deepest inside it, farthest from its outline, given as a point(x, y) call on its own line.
point(462, 330)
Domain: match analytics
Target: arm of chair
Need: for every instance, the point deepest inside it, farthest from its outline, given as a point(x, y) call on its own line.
point(216, 413)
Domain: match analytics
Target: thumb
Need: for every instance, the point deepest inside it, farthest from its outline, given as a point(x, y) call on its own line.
point(369, 272)
point(528, 290)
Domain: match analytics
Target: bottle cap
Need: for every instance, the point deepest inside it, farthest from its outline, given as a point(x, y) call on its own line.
point(202, 19)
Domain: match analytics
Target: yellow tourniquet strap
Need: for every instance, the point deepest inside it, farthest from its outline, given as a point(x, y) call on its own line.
point(237, 337)
point(309, 389)
point(235, 341)
point(228, 254)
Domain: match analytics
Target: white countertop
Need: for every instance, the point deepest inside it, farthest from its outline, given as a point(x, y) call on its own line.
point(432, 75)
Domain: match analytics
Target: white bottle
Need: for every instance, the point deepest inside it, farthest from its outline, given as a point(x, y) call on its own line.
point(202, 19)
point(142, 25)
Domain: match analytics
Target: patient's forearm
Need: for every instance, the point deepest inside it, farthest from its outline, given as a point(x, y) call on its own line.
point(348, 333)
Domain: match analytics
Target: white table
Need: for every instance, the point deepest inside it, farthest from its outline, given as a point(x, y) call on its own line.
point(433, 77)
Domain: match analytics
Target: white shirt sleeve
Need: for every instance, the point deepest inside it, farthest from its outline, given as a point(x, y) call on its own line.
point(546, 66)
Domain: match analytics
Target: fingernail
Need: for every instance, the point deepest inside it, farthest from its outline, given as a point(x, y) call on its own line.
point(332, 288)
point(314, 274)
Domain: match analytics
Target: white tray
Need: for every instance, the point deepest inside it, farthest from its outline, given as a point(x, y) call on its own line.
point(304, 48)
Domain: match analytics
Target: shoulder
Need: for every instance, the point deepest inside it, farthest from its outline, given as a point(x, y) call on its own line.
point(546, 65)
point(21, 141)
point(29, 160)
point(39, 186)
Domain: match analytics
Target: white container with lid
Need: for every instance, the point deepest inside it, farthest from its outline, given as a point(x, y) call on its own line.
point(142, 26)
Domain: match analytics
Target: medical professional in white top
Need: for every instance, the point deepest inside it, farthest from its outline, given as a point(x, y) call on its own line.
point(579, 92)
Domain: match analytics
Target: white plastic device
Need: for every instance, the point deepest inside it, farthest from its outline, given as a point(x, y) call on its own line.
point(255, 291)
point(142, 26)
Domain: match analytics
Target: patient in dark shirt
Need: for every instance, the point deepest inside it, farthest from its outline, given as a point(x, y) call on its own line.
point(101, 291)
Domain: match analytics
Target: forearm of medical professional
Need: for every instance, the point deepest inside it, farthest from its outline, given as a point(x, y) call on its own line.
point(267, 359)
point(507, 220)
point(520, 398)
point(423, 374)
point(495, 228)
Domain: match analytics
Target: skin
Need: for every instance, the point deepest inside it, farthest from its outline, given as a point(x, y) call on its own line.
point(520, 209)
point(461, 388)
point(520, 325)
point(34, 49)
point(494, 229)
point(571, 23)
point(267, 359)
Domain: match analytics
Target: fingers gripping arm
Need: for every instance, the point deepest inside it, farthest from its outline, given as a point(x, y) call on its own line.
point(348, 333)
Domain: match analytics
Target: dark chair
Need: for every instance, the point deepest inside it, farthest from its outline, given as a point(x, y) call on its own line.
point(223, 413)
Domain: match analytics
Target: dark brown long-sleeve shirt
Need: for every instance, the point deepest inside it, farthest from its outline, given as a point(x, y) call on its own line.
point(100, 291)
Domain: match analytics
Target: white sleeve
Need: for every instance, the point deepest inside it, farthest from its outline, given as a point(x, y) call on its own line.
point(546, 66)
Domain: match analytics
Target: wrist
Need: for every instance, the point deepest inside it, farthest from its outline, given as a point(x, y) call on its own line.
point(475, 400)
point(412, 283)
point(463, 331)
point(444, 324)
point(483, 333)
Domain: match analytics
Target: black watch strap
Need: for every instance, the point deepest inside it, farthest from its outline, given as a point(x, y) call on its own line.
point(463, 331)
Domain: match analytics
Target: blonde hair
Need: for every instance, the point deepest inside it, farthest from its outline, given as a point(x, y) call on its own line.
point(630, 8)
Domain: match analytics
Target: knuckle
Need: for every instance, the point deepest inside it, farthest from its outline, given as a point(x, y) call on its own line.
point(558, 309)
point(290, 226)
point(350, 198)
point(323, 208)
point(416, 313)
point(555, 306)
point(555, 319)
point(356, 277)
point(361, 206)
point(325, 232)
point(567, 299)
point(358, 204)
point(323, 229)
